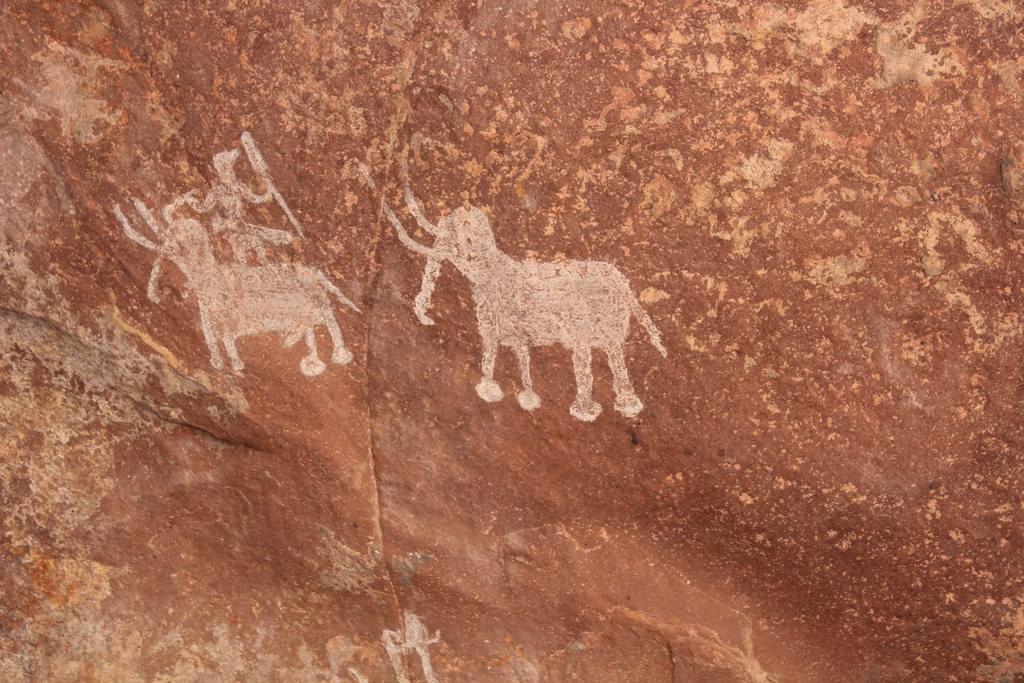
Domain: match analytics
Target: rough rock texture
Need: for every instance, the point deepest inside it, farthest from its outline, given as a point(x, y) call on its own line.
point(819, 204)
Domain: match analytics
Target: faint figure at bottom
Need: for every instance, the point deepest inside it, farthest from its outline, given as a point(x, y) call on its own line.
point(416, 638)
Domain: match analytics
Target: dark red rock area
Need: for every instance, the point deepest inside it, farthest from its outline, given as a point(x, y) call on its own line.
point(819, 204)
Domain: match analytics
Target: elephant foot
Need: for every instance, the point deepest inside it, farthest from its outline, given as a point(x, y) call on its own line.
point(341, 356)
point(585, 409)
point(489, 390)
point(628, 404)
point(420, 306)
point(528, 399)
point(312, 366)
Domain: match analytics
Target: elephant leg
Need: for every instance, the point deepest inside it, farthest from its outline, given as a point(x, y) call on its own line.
point(422, 302)
point(488, 389)
point(340, 354)
point(428, 667)
point(585, 407)
point(216, 360)
point(626, 400)
point(528, 398)
point(311, 365)
point(236, 361)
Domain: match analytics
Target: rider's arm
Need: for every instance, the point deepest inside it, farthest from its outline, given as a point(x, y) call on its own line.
point(206, 204)
point(254, 198)
point(271, 235)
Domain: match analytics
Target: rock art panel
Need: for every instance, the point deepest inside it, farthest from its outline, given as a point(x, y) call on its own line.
point(818, 204)
point(240, 298)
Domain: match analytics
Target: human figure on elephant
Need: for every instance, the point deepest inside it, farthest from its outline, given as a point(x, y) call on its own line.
point(229, 197)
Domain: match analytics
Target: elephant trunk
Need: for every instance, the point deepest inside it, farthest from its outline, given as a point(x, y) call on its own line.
point(412, 202)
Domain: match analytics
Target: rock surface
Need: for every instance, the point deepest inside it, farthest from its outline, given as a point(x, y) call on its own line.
point(819, 204)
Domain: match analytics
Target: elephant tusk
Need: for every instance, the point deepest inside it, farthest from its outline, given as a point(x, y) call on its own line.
point(131, 233)
point(404, 237)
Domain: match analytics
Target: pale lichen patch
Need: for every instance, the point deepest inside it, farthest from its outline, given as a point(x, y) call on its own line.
point(821, 27)
point(761, 171)
point(576, 28)
point(652, 295)
point(964, 228)
point(902, 63)
point(994, 10)
point(836, 272)
point(68, 92)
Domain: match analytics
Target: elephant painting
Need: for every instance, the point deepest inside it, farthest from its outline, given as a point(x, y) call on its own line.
point(237, 298)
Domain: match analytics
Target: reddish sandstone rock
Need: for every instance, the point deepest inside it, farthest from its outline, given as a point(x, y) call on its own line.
point(817, 204)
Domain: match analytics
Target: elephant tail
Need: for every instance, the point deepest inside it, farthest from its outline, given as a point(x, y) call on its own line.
point(641, 315)
point(334, 291)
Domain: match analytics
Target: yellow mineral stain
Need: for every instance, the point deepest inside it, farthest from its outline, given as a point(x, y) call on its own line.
point(162, 350)
point(653, 295)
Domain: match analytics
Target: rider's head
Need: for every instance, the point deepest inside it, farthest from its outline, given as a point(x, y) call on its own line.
point(224, 163)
